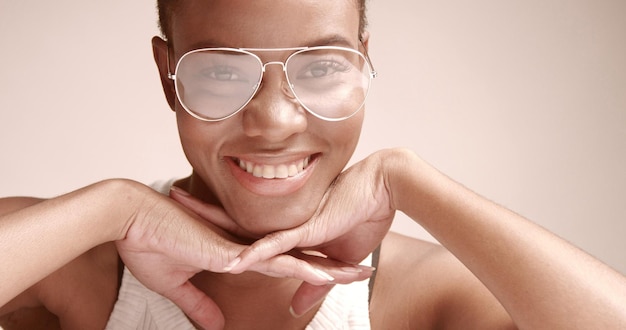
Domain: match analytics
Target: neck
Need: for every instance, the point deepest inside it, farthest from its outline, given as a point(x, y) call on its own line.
point(253, 300)
point(245, 282)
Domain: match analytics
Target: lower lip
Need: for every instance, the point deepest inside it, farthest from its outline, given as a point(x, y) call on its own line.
point(271, 187)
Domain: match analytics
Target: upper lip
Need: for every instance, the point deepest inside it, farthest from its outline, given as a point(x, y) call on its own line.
point(272, 157)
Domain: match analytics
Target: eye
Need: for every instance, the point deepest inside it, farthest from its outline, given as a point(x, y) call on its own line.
point(221, 73)
point(321, 68)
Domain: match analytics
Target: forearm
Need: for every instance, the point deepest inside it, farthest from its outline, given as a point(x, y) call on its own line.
point(37, 240)
point(539, 278)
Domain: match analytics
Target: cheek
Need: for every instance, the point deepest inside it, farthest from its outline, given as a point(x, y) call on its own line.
point(347, 133)
point(342, 138)
point(188, 134)
point(198, 139)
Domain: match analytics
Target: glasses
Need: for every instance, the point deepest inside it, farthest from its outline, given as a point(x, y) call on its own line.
point(330, 82)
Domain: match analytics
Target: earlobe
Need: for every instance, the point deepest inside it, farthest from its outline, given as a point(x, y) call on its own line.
point(160, 51)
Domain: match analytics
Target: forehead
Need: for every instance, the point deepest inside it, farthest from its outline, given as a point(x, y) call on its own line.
point(264, 23)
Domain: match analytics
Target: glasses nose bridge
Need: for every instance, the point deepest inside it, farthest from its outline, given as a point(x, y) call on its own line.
point(285, 82)
point(281, 63)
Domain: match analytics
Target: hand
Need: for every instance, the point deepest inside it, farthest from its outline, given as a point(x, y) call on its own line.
point(351, 221)
point(166, 244)
point(295, 264)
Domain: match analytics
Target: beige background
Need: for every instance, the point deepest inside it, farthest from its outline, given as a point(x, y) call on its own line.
point(523, 101)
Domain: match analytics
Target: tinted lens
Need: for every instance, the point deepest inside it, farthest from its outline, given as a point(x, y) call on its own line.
point(214, 84)
point(330, 82)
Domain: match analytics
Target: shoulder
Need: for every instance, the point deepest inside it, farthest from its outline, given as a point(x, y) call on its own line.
point(79, 295)
point(404, 283)
point(83, 292)
point(420, 284)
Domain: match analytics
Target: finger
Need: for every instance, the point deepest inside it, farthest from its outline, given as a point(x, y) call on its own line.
point(308, 296)
point(265, 248)
point(342, 272)
point(209, 212)
point(349, 274)
point(314, 270)
point(288, 266)
point(311, 233)
point(197, 306)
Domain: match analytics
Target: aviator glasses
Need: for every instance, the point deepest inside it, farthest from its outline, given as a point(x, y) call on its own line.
point(330, 82)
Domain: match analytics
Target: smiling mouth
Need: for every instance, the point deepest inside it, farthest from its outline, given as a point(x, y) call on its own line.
point(280, 171)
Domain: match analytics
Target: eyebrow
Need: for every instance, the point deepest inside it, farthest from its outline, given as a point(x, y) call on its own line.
point(333, 40)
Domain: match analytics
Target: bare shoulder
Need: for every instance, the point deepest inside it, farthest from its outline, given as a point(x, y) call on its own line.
point(404, 293)
point(421, 285)
point(80, 295)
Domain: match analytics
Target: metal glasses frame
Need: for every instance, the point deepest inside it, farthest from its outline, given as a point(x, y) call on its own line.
point(249, 51)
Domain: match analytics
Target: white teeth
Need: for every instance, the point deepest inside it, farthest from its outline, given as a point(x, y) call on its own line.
point(269, 172)
point(281, 171)
point(257, 171)
point(293, 170)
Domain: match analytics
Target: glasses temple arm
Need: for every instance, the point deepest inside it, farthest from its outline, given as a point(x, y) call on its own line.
point(374, 73)
point(170, 75)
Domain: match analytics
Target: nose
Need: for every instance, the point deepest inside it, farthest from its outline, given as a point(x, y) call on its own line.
point(274, 113)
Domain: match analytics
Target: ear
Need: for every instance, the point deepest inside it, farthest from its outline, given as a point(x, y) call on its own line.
point(160, 51)
point(365, 39)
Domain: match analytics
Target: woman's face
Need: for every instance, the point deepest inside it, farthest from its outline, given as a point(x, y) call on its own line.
point(273, 133)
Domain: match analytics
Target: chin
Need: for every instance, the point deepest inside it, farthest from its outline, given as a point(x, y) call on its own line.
point(266, 221)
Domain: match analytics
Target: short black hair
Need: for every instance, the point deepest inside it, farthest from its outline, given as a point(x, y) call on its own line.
point(168, 8)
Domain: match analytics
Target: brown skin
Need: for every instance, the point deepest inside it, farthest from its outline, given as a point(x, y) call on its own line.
point(431, 298)
point(440, 293)
point(274, 128)
point(79, 295)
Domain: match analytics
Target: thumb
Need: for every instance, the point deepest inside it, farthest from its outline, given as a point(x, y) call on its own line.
point(197, 306)
point(307, 296)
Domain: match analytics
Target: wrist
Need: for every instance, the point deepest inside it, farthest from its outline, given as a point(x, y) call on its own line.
point(395, 165)
point(408, 179)
point(123, 202)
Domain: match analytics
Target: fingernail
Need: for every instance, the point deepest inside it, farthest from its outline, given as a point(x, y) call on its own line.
point(368, 268)
point(358, 269)
point(307, 307)
point(293, 313)
point(179, 191)
point(232, 264)
point(296, 315)
point(314, 253)
point(351, 269)
point(324, 275)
